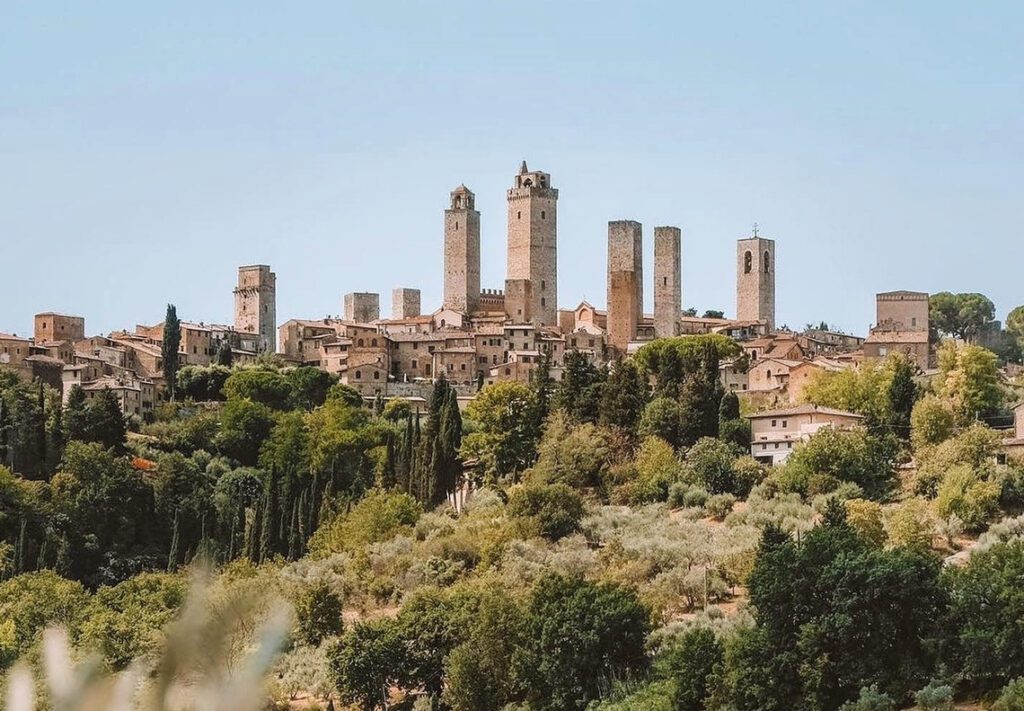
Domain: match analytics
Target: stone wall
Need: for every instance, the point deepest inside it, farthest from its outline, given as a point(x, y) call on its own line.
point(755, 280)
point(532, 242)
point(462, 252)
point(362, 307)
point(256, 304)
point(405, 303)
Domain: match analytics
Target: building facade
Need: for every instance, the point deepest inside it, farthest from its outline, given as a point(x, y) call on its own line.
point(755, 280)
point(668, 287)
point(533, 247)
point(256, 304)
point(462, 252)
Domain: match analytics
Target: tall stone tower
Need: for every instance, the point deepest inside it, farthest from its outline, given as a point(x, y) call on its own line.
point(625, 281)
point(755, 279)
point(462, 252)
point(256, 304)
point(532, 244)
point(668, 287)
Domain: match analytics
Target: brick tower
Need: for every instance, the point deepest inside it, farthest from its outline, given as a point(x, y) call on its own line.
point(532, 243)
point(462, 252)
point(755, 279)
point(668, 288)
point(625, 281)
point(256, 304)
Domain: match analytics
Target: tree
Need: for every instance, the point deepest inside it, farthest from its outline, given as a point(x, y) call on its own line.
point(553, 510)
point(963, 316)
point(967, 495)
point(579, 392)
point(987, 607)
point(931, 422)
point(709, 465)
point(270, 526)
point(169, 348)
point(366, 662)
point(969, 380)
point(713, 313)
point(262, 385)
point(202, 383)
point(310, 386)
point(377, 517)
point(506, 439)
point(573, 454)
point(624, 397)
point(692, 661)
point(104, 422)
point(832, 456)
point(35, 601)
point(244, 426)
point(225, 356)
point(901, 393)
point(663, 418)
point(579, 635)
point(319, 611)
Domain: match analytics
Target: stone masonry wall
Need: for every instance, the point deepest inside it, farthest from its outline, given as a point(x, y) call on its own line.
point(668, 289)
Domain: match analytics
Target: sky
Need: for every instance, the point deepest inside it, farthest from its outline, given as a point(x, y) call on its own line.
point(148, 149)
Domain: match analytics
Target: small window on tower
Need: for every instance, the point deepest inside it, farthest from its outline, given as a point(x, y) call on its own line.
point(519, 215)
point(664, 281)
point(748, 262)
point(456, 225)
point(542, 215)
point(767, 262)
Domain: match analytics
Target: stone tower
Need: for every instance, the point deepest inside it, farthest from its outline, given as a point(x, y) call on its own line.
point(755, 280)
point(532, 243)
point(256, 304)
point(462, 252)
point(361, 307)
point(625, 281)
point(668, 287)
point(405, 303)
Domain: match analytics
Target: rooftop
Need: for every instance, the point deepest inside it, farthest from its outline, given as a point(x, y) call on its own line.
point(804, 410)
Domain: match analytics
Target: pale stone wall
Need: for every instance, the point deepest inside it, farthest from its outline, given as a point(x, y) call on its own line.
point(668, 288)
point(532, 242)
point(625, 254)
point(755, 280)
point(519, 300)
point(58, 327)
point(622, 321)
point(462, 252)
point(405, 303)
point(362, 307)
point(902, 311)
point(256, 304)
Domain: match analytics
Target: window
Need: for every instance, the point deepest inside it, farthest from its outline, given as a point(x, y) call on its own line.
point(414, 364)
point(543, 285)
point(764, 446)
point(359, 376)
point(664, 281)
point(913, 320)
point(776, 445)
point(748, 261)
point(519, 215)
point(542, 301)
point(373, 342)
point(767, 262)
point(376, 375)
point(542, 215)
point(508, 371)
point(359, 342)
point(462, 367)
point(774, 423)
point(785, 424)
point(456, 225)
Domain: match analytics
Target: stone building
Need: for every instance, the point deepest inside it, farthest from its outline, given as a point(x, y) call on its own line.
point(532, 247)
point(362, 307)
point(625, 281)
point(405, 303)
point(773, 433)
point(755, 280)
point(901, 327)
point(50, 327)
point(256, 305)
point(668, 289)
point(13, 349)
point(462, 252)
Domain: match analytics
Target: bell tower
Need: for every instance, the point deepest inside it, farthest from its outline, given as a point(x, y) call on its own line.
point(755, 279)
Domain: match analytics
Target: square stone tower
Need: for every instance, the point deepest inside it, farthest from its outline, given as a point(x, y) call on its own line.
point(362, 307)
point(625, 281)
point(52, 326)
point(755, 279)
point(256, 305)
point(532, 242)
point(462, 252)
point(668, 286)
point(405, 303)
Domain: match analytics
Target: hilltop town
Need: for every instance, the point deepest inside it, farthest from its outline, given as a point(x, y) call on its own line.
point(480, 336)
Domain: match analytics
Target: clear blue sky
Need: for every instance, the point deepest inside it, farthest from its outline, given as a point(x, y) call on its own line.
point(147, 149)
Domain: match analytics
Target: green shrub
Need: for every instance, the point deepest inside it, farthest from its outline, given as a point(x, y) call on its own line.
point(720, 505)
point(870, 699)
point(935, 697)
point(555, 509)
point(1012, 697)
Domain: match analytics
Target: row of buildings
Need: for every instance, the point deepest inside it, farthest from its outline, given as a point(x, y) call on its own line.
point(481, 334)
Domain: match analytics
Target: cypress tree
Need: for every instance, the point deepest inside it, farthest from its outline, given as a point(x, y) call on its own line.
point(5, 426)
point(313, 503)
point(21, 548)
point(225, 356)
point(271, 525)
point(41, 433)
point(62, 565)
point(56, 436)
point(174, 555)
point(293, 533)
point(233, 533)
point(45, 550)
point(254, 534)
point(75, 415)
point(304, 531)
point(169, 349)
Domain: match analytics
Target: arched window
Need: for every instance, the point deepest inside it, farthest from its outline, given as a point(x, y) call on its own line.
point(373, 342)
point(359, 375)
point(376, 375)
point(767, 262)
point(748, 262)
point(769, 375)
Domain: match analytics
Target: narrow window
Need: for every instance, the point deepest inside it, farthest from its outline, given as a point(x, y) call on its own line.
point(748, 261)
point(542, 216)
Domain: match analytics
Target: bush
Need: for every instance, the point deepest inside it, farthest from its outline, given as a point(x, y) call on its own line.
point(935, 697)
point(1012, 697)
point(968, 496)
point(556, 509)
point(319, 613)
point(720, 505)
point(709, 464)
point(910, 525)
point(870, 699)
point(378, 517)
point(866, 518)
point(686, 495)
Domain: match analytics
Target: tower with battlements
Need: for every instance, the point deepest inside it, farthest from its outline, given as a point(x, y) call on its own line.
point(532, 247)
point(462, 252)
point(256, 304)
point(755, 279)
point(668, 289)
